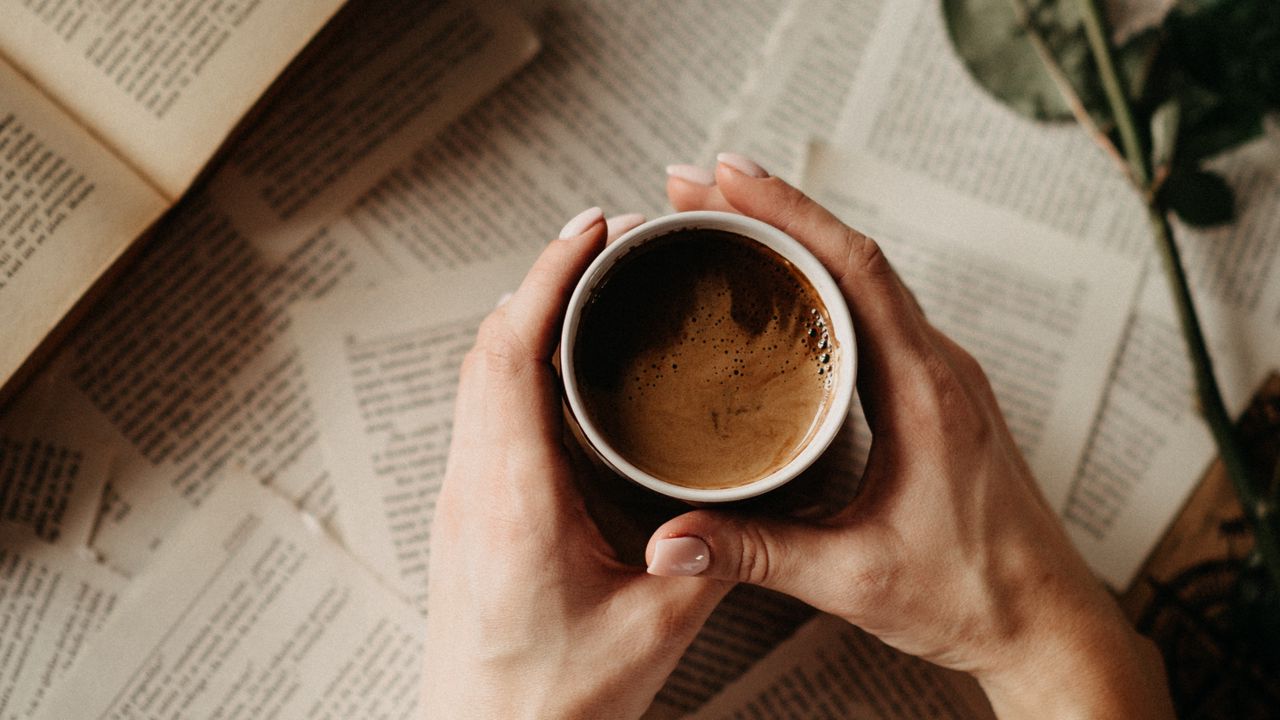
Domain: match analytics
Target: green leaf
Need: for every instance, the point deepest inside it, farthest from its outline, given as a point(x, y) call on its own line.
point(995, 48)
point(1201, 198)
point(1221, 129)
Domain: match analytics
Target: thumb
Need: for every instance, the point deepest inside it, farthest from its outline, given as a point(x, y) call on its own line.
point(782, 555)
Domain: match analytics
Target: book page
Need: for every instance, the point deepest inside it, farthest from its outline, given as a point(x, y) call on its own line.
point(592, 121)
point(187, 371)
point(831, 670)
point(798, 89)
point(385, 365)
point(250, 612)
point(1147, 451)
point(161, 83)
point(53, 604)
point(915, 107)
point(382, 79)
point(53, 476)
point(68, 210)
point(1150, 445)
point(52, 488)
point(1029, 304)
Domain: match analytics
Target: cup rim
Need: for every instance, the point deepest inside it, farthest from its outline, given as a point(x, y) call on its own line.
point(772, 238)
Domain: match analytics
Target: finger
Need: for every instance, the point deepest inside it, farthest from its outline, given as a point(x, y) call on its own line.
point(690, 187)
point(620, 225)
point(893, 337)
point(782, 555)
point(532, 316)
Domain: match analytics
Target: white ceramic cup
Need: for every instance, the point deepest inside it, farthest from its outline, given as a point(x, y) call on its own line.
point(841, 326)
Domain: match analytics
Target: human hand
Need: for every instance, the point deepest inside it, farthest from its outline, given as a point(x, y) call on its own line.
point(950, 553)
point(529, 612)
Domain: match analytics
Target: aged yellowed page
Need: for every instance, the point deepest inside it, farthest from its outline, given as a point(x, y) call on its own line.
point(53, 603)
point(52, 475)
point(188, 372)
point(161, 83)
point(51, 487)
point(68, 210)
point(382, 79)
point(250, 612)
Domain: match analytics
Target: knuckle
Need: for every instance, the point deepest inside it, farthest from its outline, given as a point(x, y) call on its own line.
point(874, 586)
point(497, 350)
point(758, 557)
point(863, 256)
point(944, 397)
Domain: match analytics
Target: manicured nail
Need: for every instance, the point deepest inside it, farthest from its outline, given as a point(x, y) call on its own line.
point(619, 224)
point(742, 164)
point(693, 174)
point(502, 300)
point(581, 222)
point(679, 557)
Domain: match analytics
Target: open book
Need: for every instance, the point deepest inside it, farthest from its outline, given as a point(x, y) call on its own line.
point(109, 112)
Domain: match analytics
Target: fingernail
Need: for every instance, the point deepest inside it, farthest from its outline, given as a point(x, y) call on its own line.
point(581, 222)
point(742, 164)
point(619, 224)
point(502, 299)
point(679, 557)
point(692, 173)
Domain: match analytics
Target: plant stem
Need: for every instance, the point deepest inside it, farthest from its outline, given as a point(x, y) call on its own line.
point(1254, 500)
point(1116, 96)
point(1258, 508)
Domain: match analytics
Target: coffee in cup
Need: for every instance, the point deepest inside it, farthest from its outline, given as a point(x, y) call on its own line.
point(702, 362)
point(705, 358)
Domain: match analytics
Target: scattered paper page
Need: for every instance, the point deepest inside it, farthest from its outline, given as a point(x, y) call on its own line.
point(250, 612)
point(380, 81)
point(592, 121)
point(915, 107)
point(51, 488)
point(798, 88)
point(187, 367)
point(53, 603)
point(1147, 451)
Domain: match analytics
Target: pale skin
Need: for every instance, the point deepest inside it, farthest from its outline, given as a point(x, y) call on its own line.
point(949, 553)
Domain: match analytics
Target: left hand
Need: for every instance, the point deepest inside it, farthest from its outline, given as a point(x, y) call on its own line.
point(530, 613)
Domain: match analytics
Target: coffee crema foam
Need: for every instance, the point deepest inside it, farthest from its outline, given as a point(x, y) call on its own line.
point(704, 358)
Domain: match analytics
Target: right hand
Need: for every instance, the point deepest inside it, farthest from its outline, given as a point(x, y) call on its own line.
point(950, 553)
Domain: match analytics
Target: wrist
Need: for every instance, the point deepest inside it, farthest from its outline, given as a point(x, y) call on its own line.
point(1087, 662)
